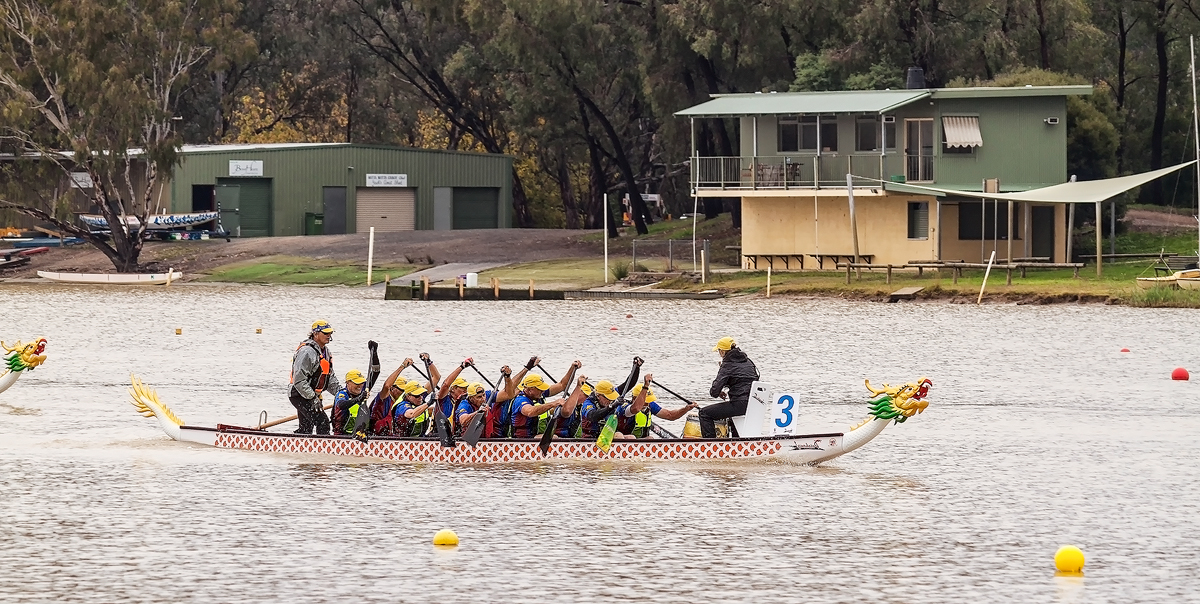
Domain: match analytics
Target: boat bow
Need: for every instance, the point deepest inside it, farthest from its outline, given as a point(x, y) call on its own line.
point(20, 358)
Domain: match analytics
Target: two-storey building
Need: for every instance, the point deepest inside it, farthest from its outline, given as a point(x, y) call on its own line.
point(796, 150)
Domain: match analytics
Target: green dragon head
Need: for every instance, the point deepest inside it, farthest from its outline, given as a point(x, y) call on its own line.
point(24, 357)
point(899, 402)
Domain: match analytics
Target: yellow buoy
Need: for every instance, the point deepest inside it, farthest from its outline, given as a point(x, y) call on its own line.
point(1069, 559)
point(445, 537)
point(178, 331)
point(259, 330)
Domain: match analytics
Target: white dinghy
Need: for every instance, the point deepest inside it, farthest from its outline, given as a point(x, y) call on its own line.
point(113, 278)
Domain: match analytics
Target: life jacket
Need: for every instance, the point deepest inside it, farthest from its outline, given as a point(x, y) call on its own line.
point(520, 425)
point(641, 423)
point(495, 426)
point(464, 406)
point(381, 416)
point(585, 428)
point(318, 380)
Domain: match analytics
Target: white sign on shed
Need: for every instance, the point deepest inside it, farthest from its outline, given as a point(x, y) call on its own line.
point(387, 180)
point(245, 167)
point(81, 180)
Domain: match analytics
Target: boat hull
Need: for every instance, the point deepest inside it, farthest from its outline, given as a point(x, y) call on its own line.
point(112, 278)
point(156, 221)
point(801, 449)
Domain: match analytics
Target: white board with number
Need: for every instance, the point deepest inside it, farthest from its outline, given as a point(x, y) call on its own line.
point(785, 408)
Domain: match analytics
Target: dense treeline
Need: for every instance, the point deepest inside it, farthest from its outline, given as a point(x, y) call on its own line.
point(582, 91)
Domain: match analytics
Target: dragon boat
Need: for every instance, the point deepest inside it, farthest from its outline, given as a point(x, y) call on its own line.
point(888, 404)
point(20, 358)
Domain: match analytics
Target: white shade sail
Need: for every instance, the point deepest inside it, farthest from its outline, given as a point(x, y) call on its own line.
point(962, 131)
point(1087, 191)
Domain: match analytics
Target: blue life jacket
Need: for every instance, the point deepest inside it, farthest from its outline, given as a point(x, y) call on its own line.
point(519, 425)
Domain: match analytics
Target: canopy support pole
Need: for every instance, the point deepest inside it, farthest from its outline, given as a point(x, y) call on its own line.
point(1070, 230)
point(1010, 230)
point(1195, 131)
point(1099, 240)
point(853, 216)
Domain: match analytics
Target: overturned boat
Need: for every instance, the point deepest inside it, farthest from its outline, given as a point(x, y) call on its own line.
point(153, 221)
point(888, 404)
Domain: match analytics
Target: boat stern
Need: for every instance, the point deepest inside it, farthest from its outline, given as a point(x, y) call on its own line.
point(145, 400)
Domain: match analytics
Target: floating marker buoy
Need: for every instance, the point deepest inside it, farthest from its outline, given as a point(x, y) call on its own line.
point(449, 537)
point(1069, 559)
point(178, 331)
point(437, 331)
point(628, 316)
point(612, 328)
point(1180, 374)
point(1124, 350)
point(259, 330)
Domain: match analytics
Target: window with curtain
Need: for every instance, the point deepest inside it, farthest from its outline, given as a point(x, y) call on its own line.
point(918, 220)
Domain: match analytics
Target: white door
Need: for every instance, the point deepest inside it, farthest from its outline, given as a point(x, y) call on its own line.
point(386, 209)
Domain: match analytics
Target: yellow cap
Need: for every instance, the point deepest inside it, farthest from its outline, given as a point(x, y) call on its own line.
point(725, 343)
point(650, 398)
point(322, 326)
point(414, 388)
point(474, 388)
point(587, 390)
point(400, 382)
point(461, 383)
point(534, 381)
point(605, 388)
point(356, 376)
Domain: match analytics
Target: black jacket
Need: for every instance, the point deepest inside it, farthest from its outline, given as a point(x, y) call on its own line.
point(737, 373)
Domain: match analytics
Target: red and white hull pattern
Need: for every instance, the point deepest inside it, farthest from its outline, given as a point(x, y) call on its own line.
point(805, 449)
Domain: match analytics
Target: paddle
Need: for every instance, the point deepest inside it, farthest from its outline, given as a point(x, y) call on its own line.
point(286, 419)
point(363, 418)
point(552, 422)
point(672, 392)
point(490, 415)
point(440, 421)
point(604, 441)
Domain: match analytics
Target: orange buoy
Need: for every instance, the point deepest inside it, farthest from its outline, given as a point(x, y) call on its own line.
point(1180, 374)
point(1124, 350)
point(437, 331)
point(612, 328)
point(628, 316)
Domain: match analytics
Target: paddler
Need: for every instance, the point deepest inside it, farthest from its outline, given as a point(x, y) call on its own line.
point(736, 375)
point(639, 416)
point(348, 403)
point(410, 418)
point(453, 391)
point(601, 403)
point(531, 402)
point(312, 375)
point(569, 416)
point(478, 399)
point(385, 402)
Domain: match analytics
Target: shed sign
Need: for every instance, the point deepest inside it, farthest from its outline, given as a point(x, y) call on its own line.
point(81, 180)
point(244, 167)
point(387, 180)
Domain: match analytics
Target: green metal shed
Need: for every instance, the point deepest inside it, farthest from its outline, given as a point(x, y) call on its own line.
point(290, 188)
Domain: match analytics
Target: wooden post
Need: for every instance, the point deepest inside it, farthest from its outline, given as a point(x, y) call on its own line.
point(985, 277)
point(847, 273)
point(954, 272)
point(370, 255)
point(461, 282)
point(531, 289)
point(889, 275)
point(768, 281)
point(496, 287)
point(425, 288)
point(1008, 278)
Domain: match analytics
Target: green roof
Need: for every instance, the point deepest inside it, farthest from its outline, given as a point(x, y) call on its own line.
point(855, 101)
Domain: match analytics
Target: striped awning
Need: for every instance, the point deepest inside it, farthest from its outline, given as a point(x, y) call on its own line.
point(962, 131)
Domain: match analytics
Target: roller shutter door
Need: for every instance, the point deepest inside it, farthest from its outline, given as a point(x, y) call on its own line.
point(386, 209)
point(476, 207)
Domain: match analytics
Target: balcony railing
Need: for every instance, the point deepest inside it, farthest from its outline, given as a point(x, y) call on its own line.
point(825, 171)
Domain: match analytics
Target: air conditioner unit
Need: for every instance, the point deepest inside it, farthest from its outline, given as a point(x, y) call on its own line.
point(1051, 121)
point(889, 119)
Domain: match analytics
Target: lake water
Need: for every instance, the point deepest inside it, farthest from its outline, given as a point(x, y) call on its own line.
point(1039, 433)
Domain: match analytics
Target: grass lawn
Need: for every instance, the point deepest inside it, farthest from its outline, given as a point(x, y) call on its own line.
point(293, 270)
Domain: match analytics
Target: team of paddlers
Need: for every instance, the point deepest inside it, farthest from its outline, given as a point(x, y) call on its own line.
point(517, 408)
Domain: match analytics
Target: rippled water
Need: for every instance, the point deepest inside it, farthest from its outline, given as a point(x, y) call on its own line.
point(1039, 433)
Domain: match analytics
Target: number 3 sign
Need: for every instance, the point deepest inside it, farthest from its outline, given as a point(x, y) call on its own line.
point(783, 413)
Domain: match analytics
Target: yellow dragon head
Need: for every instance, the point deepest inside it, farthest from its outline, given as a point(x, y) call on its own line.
point(899, 402)
point(22, 357)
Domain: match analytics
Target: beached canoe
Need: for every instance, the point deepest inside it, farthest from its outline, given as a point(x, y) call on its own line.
point(156, 221)
point(20, 358)
point(888, 405)
point(113, 278)
point(1172, 280)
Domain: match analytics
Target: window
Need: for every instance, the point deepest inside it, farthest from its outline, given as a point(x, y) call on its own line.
point(960, 134)
point(789, 134)
point(986, 220)
point(866, 133)
point(918, 150)
point(808, 133)
point(829, 134)
point(957, 150)
point(918, 220)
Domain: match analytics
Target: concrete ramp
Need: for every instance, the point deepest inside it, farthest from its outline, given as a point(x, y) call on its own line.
point(446, 272)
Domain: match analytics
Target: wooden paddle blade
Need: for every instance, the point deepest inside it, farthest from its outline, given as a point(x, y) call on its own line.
point(548, 435)
point(475, 429)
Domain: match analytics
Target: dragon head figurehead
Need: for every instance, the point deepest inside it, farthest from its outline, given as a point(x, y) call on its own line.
point(22, 357)
point(899, 402)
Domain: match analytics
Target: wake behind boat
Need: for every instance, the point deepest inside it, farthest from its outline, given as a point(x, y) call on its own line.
point(888, 404)
point(113, 278)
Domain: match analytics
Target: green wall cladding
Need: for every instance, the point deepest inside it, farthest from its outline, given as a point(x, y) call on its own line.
point(1019, 147)
point(298, 174)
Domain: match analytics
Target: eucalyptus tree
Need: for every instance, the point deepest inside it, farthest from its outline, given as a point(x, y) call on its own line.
point(90, 88)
